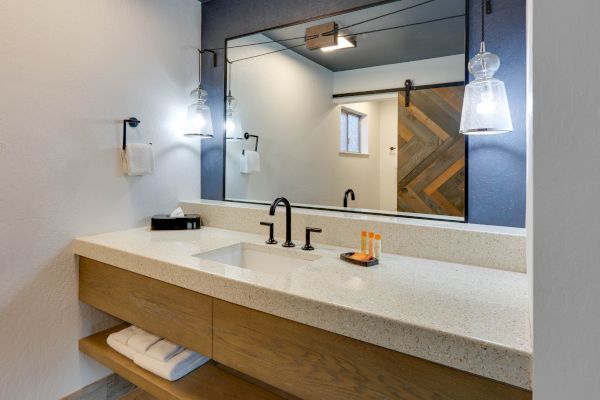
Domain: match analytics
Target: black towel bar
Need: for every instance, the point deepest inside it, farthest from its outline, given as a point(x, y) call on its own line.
point(248, 136)
point(132, 122)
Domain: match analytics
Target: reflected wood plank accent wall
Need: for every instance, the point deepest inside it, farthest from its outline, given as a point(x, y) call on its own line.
point(431, 152)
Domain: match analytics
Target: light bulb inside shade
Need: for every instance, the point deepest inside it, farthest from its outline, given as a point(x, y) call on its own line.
point(486, 104)
point(229, 125)
point(199, 121)
point(233, 127)
point(342, 43)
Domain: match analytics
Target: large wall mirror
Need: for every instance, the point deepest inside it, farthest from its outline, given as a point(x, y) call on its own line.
point(369, 124)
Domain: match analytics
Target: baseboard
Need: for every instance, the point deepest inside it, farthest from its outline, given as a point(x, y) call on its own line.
point(112, 387)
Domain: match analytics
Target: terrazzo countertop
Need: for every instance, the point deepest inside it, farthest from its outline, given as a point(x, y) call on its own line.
point(470, 318)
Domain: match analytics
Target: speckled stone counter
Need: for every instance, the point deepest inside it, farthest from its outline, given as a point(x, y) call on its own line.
point(470, 318)
point(482, 245)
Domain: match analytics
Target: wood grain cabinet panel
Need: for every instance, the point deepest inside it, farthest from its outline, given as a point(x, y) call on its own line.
point(315, 364)
point(177, 314)
point(209, 382)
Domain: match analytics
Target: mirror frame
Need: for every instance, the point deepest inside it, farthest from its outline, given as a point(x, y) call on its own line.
point(446, 218)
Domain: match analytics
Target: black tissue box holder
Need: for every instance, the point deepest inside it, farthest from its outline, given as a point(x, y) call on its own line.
point(163, 222)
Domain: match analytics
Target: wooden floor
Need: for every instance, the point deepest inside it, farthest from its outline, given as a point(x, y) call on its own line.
point(138, 394)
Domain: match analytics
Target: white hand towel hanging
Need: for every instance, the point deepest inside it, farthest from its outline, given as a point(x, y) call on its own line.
point(249, 162)
point(138, 159)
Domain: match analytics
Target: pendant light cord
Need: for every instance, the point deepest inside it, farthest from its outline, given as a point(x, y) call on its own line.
point(351, 35)
point(199, 67)
point(388, 14)
point(331, 32)
point(483, 21)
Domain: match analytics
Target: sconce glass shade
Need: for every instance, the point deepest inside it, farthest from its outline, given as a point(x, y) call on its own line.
point(199, 120)
point(485, 105)
point(233, 124)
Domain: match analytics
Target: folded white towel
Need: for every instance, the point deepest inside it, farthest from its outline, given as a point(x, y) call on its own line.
point(123, 335)
point(163, 350)
point(121, 348)
point(138, 159)
point(249, 162)
point(141, 341)
point(177, 367)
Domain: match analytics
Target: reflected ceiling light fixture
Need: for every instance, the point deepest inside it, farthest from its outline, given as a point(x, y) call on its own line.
point(343, 42)
point(327, 37)
point(485, 106)
point(199, 120)
point(233, 123)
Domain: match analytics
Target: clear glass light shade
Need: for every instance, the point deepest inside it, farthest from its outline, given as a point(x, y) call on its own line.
point(233, 124)
point(199, 120)
point(485, 106)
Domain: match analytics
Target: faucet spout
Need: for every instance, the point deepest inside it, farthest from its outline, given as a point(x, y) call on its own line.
point(288, 219)
point(346, 193)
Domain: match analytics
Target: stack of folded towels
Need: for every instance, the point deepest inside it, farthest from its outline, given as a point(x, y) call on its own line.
point(161, 357)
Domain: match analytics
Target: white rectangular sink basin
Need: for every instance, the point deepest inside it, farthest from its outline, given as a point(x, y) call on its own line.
point(267, 259)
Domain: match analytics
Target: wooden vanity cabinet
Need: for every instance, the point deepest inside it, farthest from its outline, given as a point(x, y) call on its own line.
point(312, 363)
point(180, 315)
point(299, 360)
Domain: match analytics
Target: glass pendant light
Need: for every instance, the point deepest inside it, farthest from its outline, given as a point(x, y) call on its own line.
point(233, 124)
point(485, 106)
point(199, 120)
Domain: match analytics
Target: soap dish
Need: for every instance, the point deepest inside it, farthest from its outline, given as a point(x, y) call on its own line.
point(167, 223)
point(366, 263)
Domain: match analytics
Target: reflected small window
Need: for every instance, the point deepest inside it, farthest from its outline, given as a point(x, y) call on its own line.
point(350, 131)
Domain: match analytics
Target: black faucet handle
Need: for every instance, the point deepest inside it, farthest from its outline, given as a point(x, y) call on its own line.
point(307, 245)
point(271, 225)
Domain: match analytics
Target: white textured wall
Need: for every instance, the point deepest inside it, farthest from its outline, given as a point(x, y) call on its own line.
point(287, 100)
point(69, 71)
point(358, 172)
point(388, 159)
point(566, 189)
point(422, 72)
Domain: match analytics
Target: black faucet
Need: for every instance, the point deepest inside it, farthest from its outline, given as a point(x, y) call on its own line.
point(348, 192)
point(288, 219)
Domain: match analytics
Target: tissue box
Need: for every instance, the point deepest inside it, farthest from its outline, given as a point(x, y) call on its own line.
point(165, 223)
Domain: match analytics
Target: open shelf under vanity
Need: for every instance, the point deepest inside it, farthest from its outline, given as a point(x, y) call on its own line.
point(209, 382)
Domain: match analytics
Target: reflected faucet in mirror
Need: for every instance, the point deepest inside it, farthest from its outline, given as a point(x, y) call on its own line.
point(288, 219)
point(346, 193)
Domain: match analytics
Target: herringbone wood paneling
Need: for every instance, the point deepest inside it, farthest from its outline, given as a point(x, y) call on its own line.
point(431, 153)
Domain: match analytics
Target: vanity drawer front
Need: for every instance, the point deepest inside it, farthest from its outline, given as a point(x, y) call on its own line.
point(177, 314)
point(315, 364)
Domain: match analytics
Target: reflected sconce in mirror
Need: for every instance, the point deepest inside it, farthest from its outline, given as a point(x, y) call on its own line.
point(199, 120)
point(485, 106)
point(233, 123)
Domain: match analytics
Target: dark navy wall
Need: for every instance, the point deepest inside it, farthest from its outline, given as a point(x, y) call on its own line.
point(496, 190)
point(497, 164)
